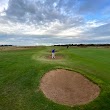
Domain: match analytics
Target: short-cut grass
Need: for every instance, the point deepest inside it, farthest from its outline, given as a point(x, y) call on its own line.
point(21, 71)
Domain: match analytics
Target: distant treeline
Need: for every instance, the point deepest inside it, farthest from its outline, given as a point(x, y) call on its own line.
point(83, 45)
point(77, 45)
point(5, 45)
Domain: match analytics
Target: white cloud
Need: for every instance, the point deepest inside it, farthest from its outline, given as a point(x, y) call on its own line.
point(3, 5)
point(94, 23)
point(52, 28)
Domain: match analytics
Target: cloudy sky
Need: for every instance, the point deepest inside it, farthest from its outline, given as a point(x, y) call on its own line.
point(47, 22)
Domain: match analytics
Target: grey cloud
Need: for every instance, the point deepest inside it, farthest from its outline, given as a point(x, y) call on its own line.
point(99, 34)
point(34, 40)
point(103, 30)
point(39, 11)
point(16, 8)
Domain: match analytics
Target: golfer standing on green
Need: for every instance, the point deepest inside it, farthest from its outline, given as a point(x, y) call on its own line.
point(53, 53)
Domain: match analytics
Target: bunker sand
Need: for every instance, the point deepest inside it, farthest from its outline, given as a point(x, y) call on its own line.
point(56, 57)
point(68, 88)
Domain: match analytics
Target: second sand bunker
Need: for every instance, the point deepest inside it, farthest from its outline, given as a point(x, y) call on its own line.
point(68, 88)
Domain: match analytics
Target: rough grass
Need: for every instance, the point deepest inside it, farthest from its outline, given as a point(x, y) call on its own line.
point(21, 71)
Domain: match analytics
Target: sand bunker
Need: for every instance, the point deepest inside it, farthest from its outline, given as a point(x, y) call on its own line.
point(56, 57)
point(68, 88)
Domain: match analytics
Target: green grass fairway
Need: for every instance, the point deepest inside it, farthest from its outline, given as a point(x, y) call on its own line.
point(21, 71)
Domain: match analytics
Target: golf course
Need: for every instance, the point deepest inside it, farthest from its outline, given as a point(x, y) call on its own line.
point(22, 70)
